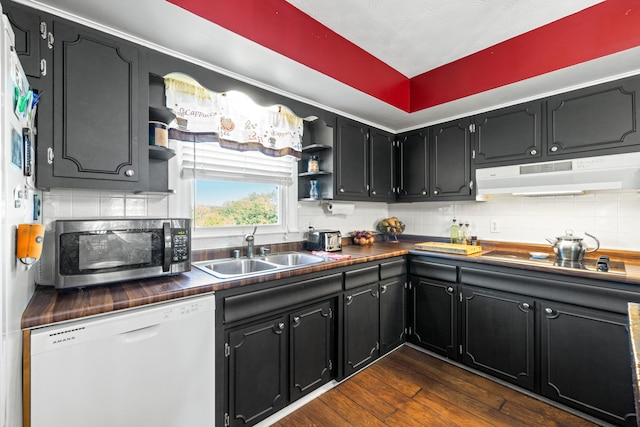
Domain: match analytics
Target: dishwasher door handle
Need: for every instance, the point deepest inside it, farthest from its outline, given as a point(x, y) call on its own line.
point(140, 334)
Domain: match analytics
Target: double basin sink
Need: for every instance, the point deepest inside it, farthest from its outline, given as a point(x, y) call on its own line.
point(240, 267)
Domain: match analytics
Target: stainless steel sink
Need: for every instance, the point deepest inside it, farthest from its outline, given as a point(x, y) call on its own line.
point(231, 267)
point(227, 268)
point(293, 259)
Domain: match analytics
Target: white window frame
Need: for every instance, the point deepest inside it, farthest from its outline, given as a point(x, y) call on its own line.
point(287, 210)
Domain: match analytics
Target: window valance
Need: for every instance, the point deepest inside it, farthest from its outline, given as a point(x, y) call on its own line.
point(231, 119)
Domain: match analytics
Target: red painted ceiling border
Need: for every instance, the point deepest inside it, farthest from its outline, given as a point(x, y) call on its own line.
point(279, 26)
point(605, 28)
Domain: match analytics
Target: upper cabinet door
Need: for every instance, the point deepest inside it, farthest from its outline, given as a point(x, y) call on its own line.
point(603, 119)
point(351, 153)
point(28, 28)
point(98, 111)
point(382, 169)
point(451, 160)
point(414, 165)
point(509, 135)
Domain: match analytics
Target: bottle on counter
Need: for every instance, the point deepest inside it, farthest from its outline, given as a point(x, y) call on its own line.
point(454, 231)
point(463, 233)
point(473, 237)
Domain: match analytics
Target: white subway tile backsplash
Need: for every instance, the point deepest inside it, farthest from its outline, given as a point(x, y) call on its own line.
point(111, 207)
point(610, 216)
point(85, 207)
point(606, 215)
point(135, 206)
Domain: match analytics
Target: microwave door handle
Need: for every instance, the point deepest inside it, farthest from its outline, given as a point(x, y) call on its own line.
point(166, 231)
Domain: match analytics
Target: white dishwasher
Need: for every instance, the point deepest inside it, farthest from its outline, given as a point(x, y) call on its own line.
point(144, 367)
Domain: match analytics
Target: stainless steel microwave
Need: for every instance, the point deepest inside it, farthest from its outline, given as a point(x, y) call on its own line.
point(79, 253)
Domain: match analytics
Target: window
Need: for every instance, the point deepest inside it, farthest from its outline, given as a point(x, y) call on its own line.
point(229, 204)
point(238, 158)
point(233, 190)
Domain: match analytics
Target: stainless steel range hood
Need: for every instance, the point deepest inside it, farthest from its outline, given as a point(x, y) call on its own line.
point(613, 172)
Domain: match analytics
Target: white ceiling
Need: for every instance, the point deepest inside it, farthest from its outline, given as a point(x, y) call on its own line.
point(412, 36)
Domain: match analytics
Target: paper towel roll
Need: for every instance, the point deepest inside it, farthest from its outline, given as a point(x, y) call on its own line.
point(341, 208)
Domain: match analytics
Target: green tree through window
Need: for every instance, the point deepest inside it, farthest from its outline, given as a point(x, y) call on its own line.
point(220, 204)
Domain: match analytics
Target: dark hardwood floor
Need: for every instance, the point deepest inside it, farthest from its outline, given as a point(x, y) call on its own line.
point(410, 388)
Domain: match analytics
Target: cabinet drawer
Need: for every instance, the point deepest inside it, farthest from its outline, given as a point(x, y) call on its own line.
point(360, 277)
point(393, 269)
point(447, 273)
point(268, 300)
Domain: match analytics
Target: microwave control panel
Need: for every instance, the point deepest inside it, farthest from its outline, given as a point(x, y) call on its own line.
point(181, 244)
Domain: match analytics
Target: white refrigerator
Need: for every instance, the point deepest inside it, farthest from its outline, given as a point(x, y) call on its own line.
point(16, 207)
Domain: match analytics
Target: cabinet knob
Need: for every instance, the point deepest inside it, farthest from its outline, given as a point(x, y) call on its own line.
point(383, 289)
point(374, 192)
point(341, 190)
point(296, 319)
point(554, 149)
point(349, 298)
point(450, 289)
point(129, 172)
point(533, 152)
point(281, 326)
point(424, 192)
point(548, 310)
point(436, 192)
point(525, 305)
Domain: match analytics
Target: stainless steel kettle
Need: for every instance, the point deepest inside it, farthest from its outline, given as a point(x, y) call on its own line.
point(570, 247)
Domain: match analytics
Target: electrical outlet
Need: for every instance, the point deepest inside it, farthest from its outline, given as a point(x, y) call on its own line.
point(494, 226)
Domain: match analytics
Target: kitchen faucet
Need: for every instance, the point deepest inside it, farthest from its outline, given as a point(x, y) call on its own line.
point(249, 238)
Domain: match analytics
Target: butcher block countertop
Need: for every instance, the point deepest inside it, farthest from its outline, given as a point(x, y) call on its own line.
point(48, 305)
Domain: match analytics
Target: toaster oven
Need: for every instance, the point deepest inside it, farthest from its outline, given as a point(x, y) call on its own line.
point(324, 240)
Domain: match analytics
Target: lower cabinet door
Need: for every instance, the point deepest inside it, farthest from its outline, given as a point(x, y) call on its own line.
point(392, 314)
point(498, 334)
point(257, 371)
point(361, 327)
point(434, 316)
point(586, 361)
point(312, 349)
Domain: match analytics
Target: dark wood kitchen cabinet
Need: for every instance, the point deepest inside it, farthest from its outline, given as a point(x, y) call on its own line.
point(434, 307)
point(351, 166)
point(382, 169)
point(311, 346)
point(374, 312)
point(393, 313)
point(272, 363)
point(586, 361)
point(497, 334)
point(414, 160)
point(279, 343)
point(602, 119)
point(435, 163)
point(257, 368)
point(509, 135)
point(573, 350)
point(99, 111)
point(450, 163)
point(365, 162)
point(32, 38)
point(361, 327)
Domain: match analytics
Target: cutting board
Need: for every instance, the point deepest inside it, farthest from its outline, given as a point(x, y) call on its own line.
point(448, 248)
